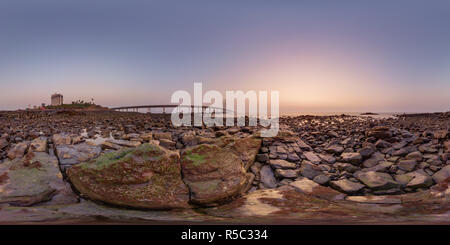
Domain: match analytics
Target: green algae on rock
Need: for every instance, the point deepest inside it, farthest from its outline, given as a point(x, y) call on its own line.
point(148, 176)
point(33, 179)
point(217, 172)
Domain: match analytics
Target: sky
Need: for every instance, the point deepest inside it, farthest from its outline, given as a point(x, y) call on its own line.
point(322, 56)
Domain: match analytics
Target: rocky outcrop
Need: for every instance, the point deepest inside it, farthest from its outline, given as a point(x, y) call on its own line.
point(33, 179)
point(69, 155)
point(148, 176)
point(215, 173)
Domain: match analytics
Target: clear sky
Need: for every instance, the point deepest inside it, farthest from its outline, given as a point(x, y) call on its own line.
point(322, 56)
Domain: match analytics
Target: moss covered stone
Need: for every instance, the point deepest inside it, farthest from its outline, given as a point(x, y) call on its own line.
point(148, 176)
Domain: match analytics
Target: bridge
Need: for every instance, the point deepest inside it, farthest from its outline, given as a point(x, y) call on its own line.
point(163, 107)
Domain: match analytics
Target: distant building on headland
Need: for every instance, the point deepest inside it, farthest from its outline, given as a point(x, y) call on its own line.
point(57, 99)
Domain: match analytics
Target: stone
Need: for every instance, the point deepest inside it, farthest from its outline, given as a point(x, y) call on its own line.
point(382, 144)
point(312, 157)
point(371, 199)
point(61, 139)
point(381, 167)
point(321, 179)
point(126, 143)
point(351, 157)
point(366, 152)
point(310, 187)
point(379, 132)
point(309, 170)
point(416, 155)
point(267, 177)
point(262, 157)
point(376, 180)
point(375, 159)
point(343, 166)
point(407, 165)
point(334, 149)
point(286, 173)
point(147, 176)
point(169, 144)
point(420, 179)
point(447, 146)
point(109, 145)
point(18, 150)
point(39, 144)
point(217, 172)
point(162, 135)
point(442, 175)
point(283, 164)
point(3, 143)
point(440, 134)
point(346, 186)
point(72, 154)
point(327, 158)
point(303, 145)
point(146, 136)
point(33, 179)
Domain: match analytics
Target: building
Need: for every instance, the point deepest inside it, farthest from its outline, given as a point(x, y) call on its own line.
point(57, 100)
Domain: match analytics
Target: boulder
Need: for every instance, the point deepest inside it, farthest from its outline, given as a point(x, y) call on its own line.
point(379, 132)
point(147, 176)
point(286, 173)
point(346, 186)
point(442, 174)
point(416, 155)
point(312, 157)
point(61, 139)
point(33, 179)
point(334, 149)
point(310, 187)
point(69, 155)
point(376, 180)
point(218, 172)
point(125, 143)
point(351, 157)
point(283, 164)
point(407, 165)
point(39, 144)
point(267, 177)
point(309, 170)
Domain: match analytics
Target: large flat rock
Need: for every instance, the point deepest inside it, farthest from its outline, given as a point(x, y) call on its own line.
point(148, 176)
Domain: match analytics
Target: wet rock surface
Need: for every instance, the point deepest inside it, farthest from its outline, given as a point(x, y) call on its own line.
point(330, 162)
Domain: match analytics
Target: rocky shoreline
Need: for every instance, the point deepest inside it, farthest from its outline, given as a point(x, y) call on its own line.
point(63, 165)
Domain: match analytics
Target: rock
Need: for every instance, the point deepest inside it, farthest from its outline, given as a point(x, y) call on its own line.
point(327, 158)
point(427, 149)
point(382, 144)
point(72, 154)
point(109, 145)
point(33, 179)
point(303, 145)
point(321, 179)
point(310, 187)
point(381, 167)
point(312, 157)
point(148, 176)
point(267, 177)
point(440, 134)
point(334, 149)
point(285, 173)
point(407, 165)
point(375, 199)
point(343, 166)
point(293, 157)
point(146, 136)
point(3, 143)
point(61, 139)
point(125, 143)
point(379, 132)
point(262, 157)
point(309, 170)
point(162, 135)
point(366, 152)
point(376, 180)
point(346, 186)
point(375, 159)
point(442, 174)
point(416, 155)
point(169, 144)
point(283, 164)
point(447, 146)
point(39, 144)
point(419, 180)
point(18, 150)
point(351, 157)
point(217, 172)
